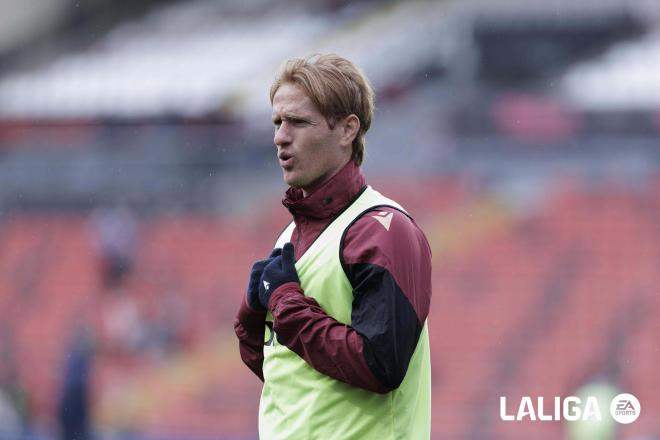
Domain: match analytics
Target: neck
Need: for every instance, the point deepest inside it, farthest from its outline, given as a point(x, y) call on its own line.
point(307, 190)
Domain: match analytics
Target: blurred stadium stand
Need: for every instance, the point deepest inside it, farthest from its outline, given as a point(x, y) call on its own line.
point(522, 135)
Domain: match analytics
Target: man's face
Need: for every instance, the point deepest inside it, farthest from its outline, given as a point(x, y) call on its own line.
point(309, 151)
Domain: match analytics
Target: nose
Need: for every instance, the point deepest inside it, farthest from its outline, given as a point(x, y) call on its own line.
point(282, 135)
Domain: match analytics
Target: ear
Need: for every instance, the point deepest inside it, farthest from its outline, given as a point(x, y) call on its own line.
point(349, 129)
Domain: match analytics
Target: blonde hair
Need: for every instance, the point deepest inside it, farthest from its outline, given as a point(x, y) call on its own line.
point(336, 86)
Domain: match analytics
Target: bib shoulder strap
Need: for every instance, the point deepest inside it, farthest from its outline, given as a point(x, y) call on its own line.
point(368, 200)
point(285, 236)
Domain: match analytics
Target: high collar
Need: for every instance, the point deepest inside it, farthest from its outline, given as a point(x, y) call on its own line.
point(330, 198)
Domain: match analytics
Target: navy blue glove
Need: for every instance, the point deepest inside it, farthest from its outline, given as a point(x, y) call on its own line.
point(255, 277)
point(279, 271)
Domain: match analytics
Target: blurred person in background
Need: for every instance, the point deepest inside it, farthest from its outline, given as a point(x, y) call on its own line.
point(74, 410)
point(334, 320)
point(114, 232)
point(14, 400)
point(10, 422)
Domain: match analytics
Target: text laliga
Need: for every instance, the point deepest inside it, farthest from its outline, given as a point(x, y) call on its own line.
point(570, 409)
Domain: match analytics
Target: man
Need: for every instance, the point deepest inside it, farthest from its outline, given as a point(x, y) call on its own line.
point(334, 321)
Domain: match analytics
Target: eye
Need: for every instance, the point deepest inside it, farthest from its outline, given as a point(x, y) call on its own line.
point(296, 121)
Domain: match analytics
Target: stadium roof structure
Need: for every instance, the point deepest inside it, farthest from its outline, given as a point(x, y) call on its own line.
point(192, 59)
point(622, 79)
point(512, 11)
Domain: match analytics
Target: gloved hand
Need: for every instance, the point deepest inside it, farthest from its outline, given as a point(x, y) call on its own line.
point(255, 277)
point(279, 271)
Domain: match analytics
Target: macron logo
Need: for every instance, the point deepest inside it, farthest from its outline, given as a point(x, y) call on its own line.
point(266, 284)
point(384, 218)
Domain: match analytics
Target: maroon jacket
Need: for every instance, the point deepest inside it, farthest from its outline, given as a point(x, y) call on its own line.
point(390, 271)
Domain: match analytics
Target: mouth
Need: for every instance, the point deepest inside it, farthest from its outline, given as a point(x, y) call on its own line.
point(286, 159)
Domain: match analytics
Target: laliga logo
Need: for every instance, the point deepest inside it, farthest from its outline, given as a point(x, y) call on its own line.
point(625, 408)
point(569, 409)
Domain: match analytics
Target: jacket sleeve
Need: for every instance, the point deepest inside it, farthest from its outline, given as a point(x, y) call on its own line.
point(390, 271)
point(250, 326)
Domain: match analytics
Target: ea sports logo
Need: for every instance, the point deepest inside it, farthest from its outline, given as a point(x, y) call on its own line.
point(625, 408)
